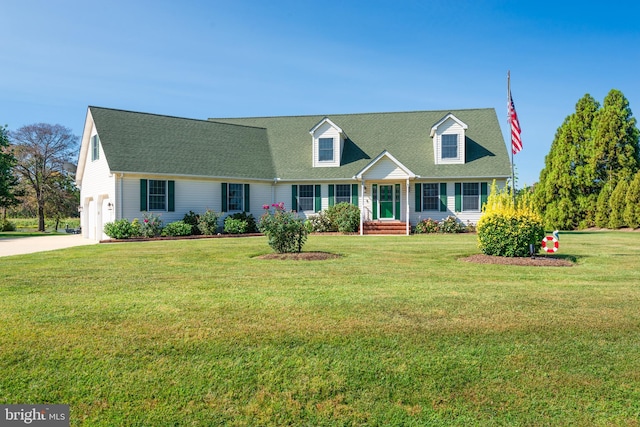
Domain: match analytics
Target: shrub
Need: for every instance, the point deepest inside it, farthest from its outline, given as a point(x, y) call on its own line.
point(178, 228)
point(192, 219)
point(208, 222)
point(427, 226)
point(285, 230)
point(320, 223)
point(451, 225)
point(151, 225)
point(617, 204)
point(507, 227)
point(6, 225)
point(249, 219)
point(344, 217)
point(119, 229)
point(235, 226)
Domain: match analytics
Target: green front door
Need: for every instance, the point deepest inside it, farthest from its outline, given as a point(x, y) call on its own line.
point(386, 202)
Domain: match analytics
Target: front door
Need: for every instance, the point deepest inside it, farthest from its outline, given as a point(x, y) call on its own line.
point(386, 202)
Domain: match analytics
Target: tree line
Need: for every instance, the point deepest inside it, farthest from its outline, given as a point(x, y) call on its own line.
point(591, 175)
point(36, 173)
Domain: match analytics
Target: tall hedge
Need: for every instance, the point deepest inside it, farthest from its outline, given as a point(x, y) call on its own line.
point(507, 226)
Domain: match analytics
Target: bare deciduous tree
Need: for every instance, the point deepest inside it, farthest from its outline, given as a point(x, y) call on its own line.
point(41, 150)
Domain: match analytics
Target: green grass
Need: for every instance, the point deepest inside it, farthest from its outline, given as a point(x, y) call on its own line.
point(31, 224)
point(397, 331)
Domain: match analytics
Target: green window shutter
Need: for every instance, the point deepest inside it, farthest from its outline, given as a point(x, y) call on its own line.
point(294, 197)
point(318, 200)
point(354, 194)
point(374, 190)
point(443, 197)
point(398, 216)
point(247, 199)
point(223, 198)
point(143, 195)
point(458, 187)
point(483, 194)
point(171, 199)
point(332, 200)
point(418, 191)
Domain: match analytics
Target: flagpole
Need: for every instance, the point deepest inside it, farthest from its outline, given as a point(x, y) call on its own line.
point(513, 181)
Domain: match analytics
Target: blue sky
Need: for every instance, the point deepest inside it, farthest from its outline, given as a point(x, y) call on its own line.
point(202, 59)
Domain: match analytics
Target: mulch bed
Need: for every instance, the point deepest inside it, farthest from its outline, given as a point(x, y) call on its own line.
point(538, 261)
point(301, 256)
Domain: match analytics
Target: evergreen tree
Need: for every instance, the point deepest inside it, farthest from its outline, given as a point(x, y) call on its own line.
point(615, 140)
point(565, 194)
point(617, 204)
point(8, 180)
point(632, 203)
point(602, 207)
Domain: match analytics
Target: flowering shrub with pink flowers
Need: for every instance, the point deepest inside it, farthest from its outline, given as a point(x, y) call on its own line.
point(151, 225)
point(284, 229)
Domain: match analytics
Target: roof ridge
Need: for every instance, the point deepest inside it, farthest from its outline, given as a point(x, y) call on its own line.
point(350, 114)
point(174, 117)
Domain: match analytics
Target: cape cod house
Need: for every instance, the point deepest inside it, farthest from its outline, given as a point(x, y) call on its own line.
point(398, 168)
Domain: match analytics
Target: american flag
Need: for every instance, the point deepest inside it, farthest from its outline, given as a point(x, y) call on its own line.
point(516, 142)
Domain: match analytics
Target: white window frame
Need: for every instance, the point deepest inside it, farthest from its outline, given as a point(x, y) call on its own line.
point(95, 148)
point(425, 196)
point(155, 198)
point(304, 200)
point(448, 139)
point(473, 199)
point(345, 196)
point(330, 142)
point(233, 195)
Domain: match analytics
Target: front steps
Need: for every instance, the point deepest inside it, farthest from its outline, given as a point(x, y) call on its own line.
point(385, 227)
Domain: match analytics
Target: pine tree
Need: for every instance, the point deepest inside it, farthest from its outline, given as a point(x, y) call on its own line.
point(615, 140)
point(617, 204)
point(566, 193)
point(632, 203)
point(8, 180)
point(602, 207)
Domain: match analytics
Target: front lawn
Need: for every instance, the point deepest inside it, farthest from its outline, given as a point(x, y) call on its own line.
point(396, 331)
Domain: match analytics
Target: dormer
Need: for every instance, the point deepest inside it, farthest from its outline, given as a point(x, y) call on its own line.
point(449, 141)
point(328, 142)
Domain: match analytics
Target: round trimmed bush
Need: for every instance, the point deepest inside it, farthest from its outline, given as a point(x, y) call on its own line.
point(508, 227)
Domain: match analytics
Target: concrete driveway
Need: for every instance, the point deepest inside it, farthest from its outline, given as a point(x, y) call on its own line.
point(28, 245)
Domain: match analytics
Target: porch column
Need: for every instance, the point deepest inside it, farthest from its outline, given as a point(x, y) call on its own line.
point(407, 208)
point(362, 207)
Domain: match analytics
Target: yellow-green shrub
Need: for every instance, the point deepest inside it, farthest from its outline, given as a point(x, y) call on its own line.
point(509, 226)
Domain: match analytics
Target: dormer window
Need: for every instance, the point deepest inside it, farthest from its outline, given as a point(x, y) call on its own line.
point(328, 141)
point(450, 146)
point(449, 141)
point(325, 149)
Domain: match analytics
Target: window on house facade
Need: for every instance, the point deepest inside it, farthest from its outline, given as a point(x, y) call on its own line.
point(325, 149)
point(95, 148)
point(449, 146)
point(430, 197)
point(305, 198)
point(235, 197)
point(343, 193)
point(471, 196)
point(157, 195)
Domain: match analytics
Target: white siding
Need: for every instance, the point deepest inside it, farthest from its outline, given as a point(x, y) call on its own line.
point(449, 126)
point(464, 217)
point(327, 131)
point(195, 195)
point(385, 168)
point(98, 189)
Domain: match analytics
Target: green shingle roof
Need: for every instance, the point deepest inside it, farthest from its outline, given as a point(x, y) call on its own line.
point(406, 135)
point(150, 143)
point(281, 147)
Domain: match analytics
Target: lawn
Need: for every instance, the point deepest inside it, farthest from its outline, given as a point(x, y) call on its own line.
point(397, 331)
